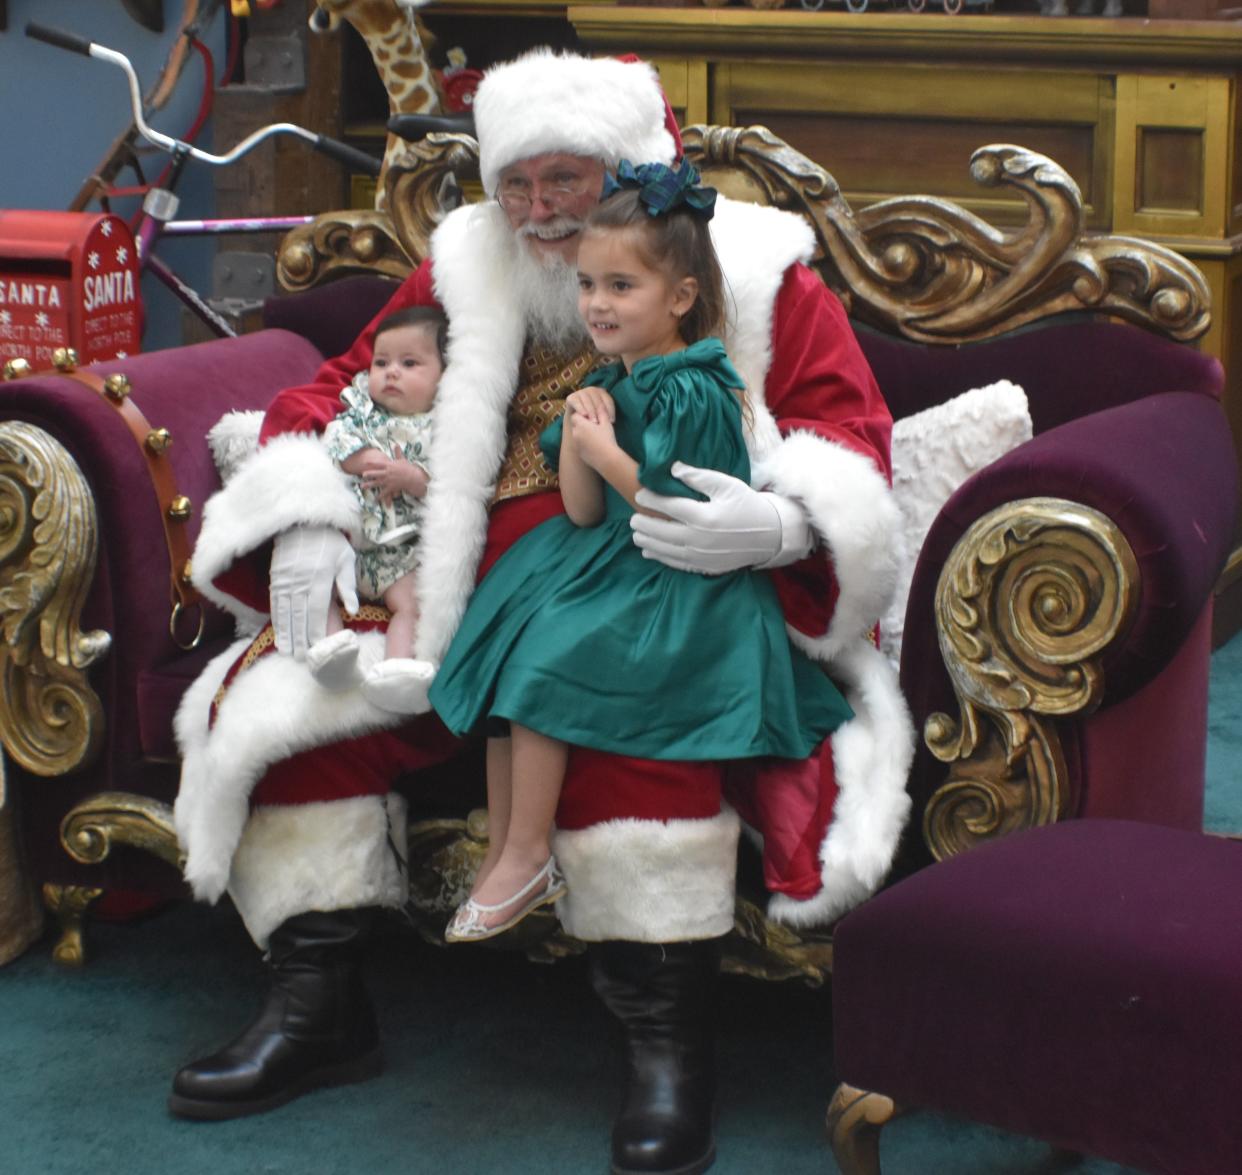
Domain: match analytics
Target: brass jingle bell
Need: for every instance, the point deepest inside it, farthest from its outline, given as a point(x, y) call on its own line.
point(65, 359)
point(158, 440)
point(180, 508)
point(116, 386)
point(17, 369)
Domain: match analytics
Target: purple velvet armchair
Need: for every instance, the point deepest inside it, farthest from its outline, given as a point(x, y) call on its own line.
point(1059, 609)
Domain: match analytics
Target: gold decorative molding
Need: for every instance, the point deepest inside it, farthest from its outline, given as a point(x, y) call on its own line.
point(51, 721)
point(763, 949)
point(918, 266)
point(929, 270)
point(426, 182)
point(1029, 597)
point(69, 905)
point(739, 32)
point(340, 243)
point(89, 831)
point(853, 1122)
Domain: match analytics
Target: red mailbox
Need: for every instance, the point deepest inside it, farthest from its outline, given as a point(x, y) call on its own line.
point(68, 279)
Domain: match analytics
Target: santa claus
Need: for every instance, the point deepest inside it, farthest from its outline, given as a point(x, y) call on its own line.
point(286, 796)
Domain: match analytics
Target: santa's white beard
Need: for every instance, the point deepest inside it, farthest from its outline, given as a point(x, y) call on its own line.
point(547, 288)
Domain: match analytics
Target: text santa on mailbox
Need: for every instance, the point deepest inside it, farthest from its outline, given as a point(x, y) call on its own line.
point(68, 279)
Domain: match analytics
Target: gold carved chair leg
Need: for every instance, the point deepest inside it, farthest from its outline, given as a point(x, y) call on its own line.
point(855, 1118)
point(88, 833)
point(68, 904)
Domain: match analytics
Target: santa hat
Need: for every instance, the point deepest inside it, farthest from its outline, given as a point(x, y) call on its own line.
point(544, 101)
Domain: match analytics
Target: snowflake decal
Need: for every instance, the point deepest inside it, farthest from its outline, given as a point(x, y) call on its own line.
point(122, 254)
point(41, 319)
point(92, 259)
point(122, 355)
point(106, 228)
point(5, 318)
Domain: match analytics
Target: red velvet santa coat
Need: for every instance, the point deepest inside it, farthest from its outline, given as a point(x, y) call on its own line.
point(643, 860)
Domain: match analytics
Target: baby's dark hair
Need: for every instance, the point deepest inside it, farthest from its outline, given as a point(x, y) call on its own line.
point(429, 316)
point(678, 242)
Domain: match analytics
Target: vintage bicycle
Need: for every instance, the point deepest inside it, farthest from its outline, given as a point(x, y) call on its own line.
point(160, 202)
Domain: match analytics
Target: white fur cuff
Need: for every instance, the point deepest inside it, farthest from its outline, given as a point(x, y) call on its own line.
point(326, 856)
point(871, 755)
point(852, 510)
point(290, 482)
point(649, 880)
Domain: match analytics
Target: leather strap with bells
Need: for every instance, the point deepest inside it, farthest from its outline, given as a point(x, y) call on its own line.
point(175, 507)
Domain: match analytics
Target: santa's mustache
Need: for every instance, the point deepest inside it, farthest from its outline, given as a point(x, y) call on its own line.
point(551, 230)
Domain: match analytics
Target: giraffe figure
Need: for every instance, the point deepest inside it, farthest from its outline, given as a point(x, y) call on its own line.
point(393, 35)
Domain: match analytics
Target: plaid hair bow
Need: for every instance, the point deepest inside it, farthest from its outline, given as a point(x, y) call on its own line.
point(661, 188)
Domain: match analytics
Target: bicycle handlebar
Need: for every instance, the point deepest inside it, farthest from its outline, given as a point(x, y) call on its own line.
point(344, 153)
point(341, 152)
point(59, 38)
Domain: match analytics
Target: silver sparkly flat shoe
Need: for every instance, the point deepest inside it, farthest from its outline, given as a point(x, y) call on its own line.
point(468, 923)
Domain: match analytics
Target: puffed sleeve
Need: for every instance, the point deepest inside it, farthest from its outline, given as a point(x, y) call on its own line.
point(694, 420)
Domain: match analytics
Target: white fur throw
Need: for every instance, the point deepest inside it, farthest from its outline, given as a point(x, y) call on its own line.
point(934, 452)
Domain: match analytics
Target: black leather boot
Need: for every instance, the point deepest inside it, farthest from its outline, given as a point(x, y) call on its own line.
point(316, 1028)
point(664, 996)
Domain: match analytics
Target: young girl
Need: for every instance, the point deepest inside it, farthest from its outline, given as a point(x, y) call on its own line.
point(573, 638)
point(381, 437)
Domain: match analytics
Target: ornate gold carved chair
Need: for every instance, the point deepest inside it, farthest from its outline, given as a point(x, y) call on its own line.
point(1059, 606)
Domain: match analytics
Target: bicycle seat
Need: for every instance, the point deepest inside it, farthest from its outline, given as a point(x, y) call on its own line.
point(413, 127)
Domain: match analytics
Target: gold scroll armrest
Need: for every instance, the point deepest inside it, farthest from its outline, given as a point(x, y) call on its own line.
point(1028, 600)
point(51, 720)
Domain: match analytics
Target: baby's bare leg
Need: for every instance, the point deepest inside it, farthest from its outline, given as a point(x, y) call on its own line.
point(400, 600)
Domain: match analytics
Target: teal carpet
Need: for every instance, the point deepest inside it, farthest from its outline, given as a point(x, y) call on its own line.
point(495, 1065)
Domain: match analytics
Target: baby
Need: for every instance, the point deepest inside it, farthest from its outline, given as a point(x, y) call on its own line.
point(381, 438)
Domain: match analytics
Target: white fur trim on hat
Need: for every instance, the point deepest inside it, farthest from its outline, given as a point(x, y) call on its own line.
point(545, 101)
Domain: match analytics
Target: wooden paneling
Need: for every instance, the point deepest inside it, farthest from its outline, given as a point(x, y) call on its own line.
point(884, 132)
point(1170, 171)
point(1174, 136)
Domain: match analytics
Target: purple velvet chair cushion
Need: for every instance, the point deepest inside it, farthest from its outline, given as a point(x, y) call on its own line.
point(332, 315)
point(1067, 368)
point(1080, 983)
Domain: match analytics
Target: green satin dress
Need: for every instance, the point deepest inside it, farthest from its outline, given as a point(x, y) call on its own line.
point(576, 635)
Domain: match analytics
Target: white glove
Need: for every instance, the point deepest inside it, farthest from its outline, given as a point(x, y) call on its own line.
point(736, 527)
point(307, 563)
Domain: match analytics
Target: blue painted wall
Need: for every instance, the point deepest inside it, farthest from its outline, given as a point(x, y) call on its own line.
point(60, 113)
